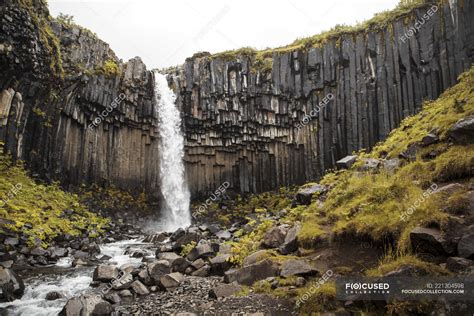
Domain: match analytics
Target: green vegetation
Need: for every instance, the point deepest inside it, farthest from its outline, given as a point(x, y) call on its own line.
point(188, 248)
point(314, 297)
point(110, 69)
point(47, 37)
point(41, 212)
point(370, 204)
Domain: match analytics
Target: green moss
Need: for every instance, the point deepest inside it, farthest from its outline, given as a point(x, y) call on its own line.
point(188, 248)
point(41, 206)
point(47, 37)
point(394, 261)
point(314, 298)
point(110, 69)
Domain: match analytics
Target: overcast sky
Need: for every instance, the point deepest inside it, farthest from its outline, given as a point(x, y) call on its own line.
point(164, 33)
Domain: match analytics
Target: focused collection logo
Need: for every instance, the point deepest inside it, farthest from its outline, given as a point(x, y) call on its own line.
point(367, 288)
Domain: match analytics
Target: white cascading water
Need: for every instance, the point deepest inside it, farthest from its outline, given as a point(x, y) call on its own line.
point(175, 213)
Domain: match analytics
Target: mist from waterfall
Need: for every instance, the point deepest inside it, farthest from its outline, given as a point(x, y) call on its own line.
point(175, 212)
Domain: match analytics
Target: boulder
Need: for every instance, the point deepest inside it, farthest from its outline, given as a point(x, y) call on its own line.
point(223, 234)
point(180, 265)
point(202, 250)
point(177, 234)
point(155, 238)
point(247, 275)
point(186, 239)
point(466, 246)
point(11, 284)
point(462, 132)
point(369, 164)
point(290, 244)
point(225, 290)
point(105, 273)
point(11, 241)
point(168, 256)
point(86, 305)
point(197, 264)
point(429, 139)
point(305, 194)
point(128, 268)
point(139, 288)
point(457, 264)
point(204, 271)
point(54, 295)
point(391, 165)
point(58, 252)
point(38, 251)
point(171, 281)
point(297, 267)
point(220, 264)
point(157, 269)
point(429, 240)
point(346, 162)
point(255, 257)
point(123, 282)
point(113, 297)
point(274, 237)
point(145, 277)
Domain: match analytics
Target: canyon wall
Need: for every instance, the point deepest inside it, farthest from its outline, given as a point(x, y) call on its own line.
point(243, 124)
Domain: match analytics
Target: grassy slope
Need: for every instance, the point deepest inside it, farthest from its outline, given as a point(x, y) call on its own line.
point(369, 203)
point(43, 207)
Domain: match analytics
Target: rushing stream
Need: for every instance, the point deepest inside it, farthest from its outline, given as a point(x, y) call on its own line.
point(65, 280)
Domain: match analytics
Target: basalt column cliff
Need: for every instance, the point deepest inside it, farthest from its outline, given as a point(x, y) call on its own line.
point(76, 113)
point(242, 120)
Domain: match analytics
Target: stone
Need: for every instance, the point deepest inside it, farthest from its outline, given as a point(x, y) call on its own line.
point(391, 165)
point(11, 284)
point(429, 139)
point(297, 267)
point(145, 277)
point(38, 251)
point(125, 293)
point(54, 295)
point(225, 249)
point(466, 246)
point(168, 256)
point(158, 268)
point(172, 280)
point(155, 238)
point(139, 288)
point(105, 273)
point(223, 234)
point(462, 132)
point(113, 297)
point(199, 263)
point(247, 275)
point(429, 240)
point(204, 271)
point(457, 264)
point(255, 257)
point(346, 162)
point(451, 188)
point(220, 264)
point(128, 268)
point(11, 241)
point(86, 305)
point(370, 164)
point(177, 234)
point(225, 290)
point(58, 252)
point(203, 250)
point(274, 237)
point(290, 244)
point(305, 194)
point(123, 282)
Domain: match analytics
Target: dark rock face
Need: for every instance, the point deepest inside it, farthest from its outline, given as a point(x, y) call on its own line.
point(11, 285)
point(247, 275)
point(86, 305)
point(429, 240)
point(256, 130)
point(463, 131)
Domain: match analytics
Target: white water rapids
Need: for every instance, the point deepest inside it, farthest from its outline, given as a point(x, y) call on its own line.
point(175, 212)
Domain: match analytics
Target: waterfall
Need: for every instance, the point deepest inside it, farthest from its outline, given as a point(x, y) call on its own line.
point(175, 211)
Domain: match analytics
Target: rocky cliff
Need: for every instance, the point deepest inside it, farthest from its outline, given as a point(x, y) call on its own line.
point(258, 120)
point(260, 130)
